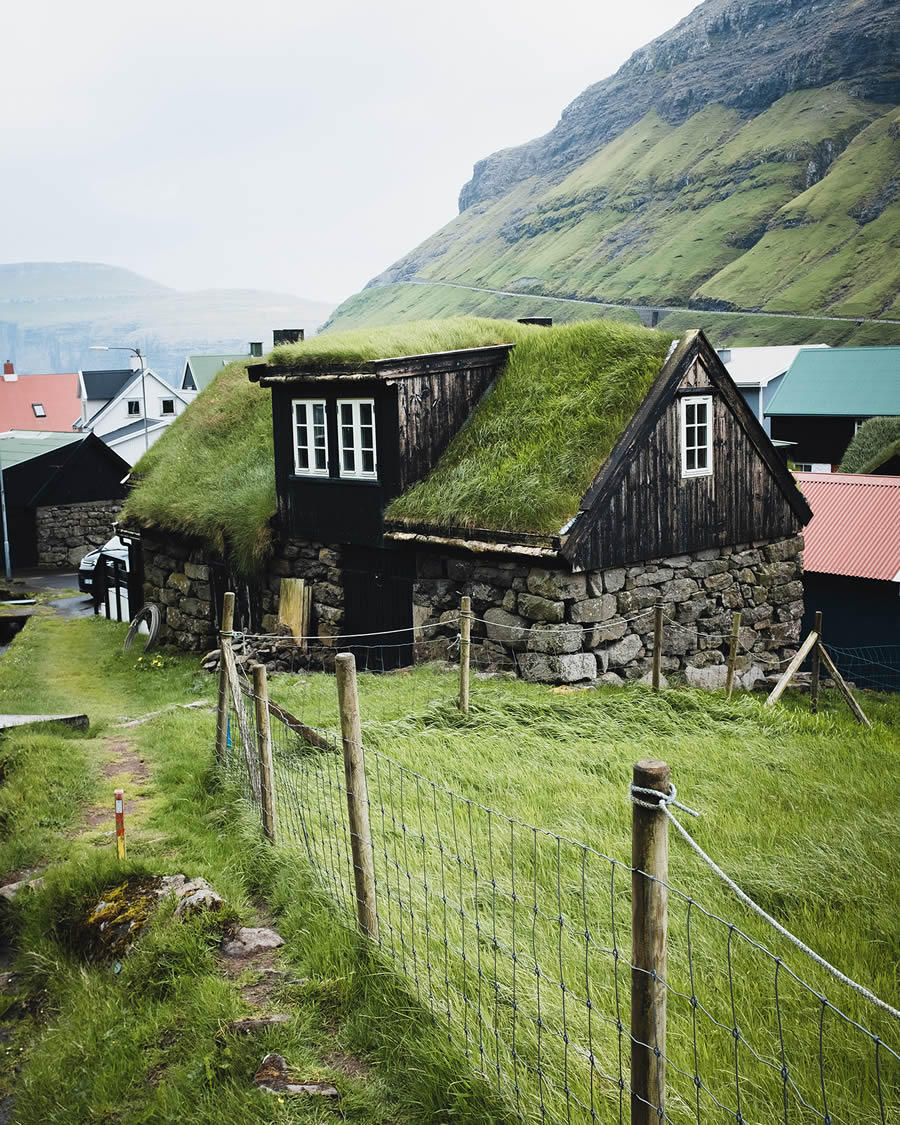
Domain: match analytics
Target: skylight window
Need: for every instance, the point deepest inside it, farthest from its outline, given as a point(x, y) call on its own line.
point(39, 411)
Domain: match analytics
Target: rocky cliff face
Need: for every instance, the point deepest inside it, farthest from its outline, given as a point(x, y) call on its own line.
point(743, 54)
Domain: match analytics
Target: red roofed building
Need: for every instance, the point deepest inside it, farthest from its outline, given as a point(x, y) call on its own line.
point(851, 572)
point(38, 402)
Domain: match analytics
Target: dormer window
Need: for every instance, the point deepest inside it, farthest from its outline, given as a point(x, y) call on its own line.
point(696, 436)
point(356, 418)
point(310, 439)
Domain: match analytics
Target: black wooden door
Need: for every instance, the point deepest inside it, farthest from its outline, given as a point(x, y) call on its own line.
point(378, 607)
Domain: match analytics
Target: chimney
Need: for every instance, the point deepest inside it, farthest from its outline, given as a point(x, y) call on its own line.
point(542, 321)
point(256, 348)
point(287, 336)
point(9, 372)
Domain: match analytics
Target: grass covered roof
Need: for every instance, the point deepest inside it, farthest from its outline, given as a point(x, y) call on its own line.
point(877, 440)
point(522, 463)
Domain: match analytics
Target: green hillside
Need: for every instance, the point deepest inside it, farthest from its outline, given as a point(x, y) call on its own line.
point(746, 160)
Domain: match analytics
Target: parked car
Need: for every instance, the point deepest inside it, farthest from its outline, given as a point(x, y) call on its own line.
point(113, 547)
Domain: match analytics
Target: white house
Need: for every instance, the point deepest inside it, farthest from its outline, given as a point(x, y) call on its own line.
point(757, 373)
point(112, 407)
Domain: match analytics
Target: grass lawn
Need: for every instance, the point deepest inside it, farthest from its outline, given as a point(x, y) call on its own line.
point(797, 808)
point(145, 1042)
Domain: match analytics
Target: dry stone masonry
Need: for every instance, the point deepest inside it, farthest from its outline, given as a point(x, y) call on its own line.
point(545, 623)
point(558, 627)
point(66, 532)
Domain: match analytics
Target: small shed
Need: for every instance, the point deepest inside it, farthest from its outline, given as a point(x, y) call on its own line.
point(56, 486)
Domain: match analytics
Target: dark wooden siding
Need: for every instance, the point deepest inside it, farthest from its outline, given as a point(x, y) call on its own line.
point(416, 417)
point(431, 409)
point(648, 510)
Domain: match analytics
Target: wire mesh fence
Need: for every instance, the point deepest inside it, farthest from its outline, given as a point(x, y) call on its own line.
point(519, 941)
point(869, 666)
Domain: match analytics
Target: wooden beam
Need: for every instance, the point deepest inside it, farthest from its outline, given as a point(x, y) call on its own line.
point(792, 668)
point(842, 687)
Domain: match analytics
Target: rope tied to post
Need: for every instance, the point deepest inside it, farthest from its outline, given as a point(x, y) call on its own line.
point(662, 802)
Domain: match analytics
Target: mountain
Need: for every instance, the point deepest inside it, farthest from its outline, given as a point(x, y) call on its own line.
point(747, 159)
point(51, 312)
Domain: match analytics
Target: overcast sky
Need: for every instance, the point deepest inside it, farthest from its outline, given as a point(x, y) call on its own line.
point(278, 144)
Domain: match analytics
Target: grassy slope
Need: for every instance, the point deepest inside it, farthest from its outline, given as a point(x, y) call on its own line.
point(537, 441)
point(561, 761)
point(663, 214)
point(393, 304)
point(147, 1044)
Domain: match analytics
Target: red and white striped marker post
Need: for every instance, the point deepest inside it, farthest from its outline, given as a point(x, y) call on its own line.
point(120, 823)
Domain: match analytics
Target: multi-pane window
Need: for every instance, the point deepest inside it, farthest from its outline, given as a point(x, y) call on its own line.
point(310, 438)
point(356, 436)
point(696, 436)
point(39, 411)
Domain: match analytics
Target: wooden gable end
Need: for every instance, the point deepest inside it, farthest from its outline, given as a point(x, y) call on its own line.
point(641, 506)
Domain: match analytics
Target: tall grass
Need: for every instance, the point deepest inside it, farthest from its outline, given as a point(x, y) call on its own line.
point(819, 857)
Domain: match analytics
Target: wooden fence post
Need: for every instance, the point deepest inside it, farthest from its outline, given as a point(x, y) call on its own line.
point(357, 794)
point(649, 926)
point(816, 667)
point(843, 689)
point(732, 654)
point(802, 653)
point(225, 635)
point(264, 744)
point(657, 644)
point(465, 648)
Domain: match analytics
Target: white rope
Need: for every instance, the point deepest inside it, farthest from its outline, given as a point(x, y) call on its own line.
point(662, 802)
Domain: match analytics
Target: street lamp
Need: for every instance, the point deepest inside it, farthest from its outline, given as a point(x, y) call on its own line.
point(137, 352)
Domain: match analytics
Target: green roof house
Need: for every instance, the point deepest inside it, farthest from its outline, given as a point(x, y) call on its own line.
point(826, 395)
point(565, 479)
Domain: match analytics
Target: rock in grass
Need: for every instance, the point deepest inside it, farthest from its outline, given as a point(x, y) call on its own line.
point(256, 1023)
point(274, 1077)
point(10, 890)
point(248, 940)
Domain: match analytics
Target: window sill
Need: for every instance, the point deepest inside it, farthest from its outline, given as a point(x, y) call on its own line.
point(314, 478)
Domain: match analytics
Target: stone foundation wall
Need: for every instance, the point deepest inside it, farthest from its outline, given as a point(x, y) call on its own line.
point(558, 627)
point(545, 623)
point(66, 532)
point(183, 577)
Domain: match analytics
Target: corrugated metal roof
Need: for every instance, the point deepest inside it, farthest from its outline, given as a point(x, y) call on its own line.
point(850, 382)
point(855, 529)
point(17, 446)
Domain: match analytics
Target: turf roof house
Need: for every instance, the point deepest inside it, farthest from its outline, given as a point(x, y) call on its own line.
point(691, 505)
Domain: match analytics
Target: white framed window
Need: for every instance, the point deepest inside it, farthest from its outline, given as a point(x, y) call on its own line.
point(167, 405)
point(39, 411)
point(134, 406)
point(696, 436)
point(310, 438)
point(356, 437)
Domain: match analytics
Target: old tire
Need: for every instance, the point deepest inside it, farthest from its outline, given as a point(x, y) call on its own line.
point(150, 616)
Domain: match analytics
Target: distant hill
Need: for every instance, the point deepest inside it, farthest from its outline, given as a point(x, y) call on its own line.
point(51, 312)
point(747, 159)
